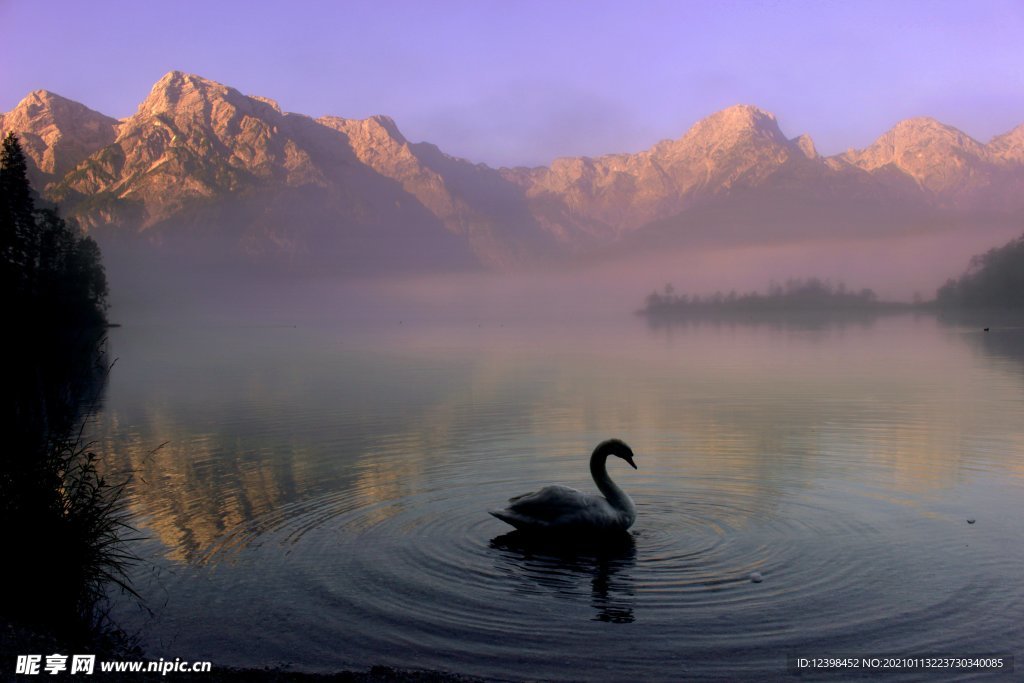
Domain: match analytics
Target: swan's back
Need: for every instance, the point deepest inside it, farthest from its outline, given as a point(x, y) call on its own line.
point(563, 509)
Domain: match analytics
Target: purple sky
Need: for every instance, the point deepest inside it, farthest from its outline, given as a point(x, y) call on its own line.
point(523, 82)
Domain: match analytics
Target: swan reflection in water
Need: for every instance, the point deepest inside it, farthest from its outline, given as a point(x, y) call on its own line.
point(561, 565)
point(563, 534)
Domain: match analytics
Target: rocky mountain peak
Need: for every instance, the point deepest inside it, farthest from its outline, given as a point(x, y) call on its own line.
point(178, 91)
point(806, 145)
point(388, 125)
point(744, 115)
point(38, 102)
point(740, 145)
point(1009, 146)
point(926, 128)
point(179, 95)
point(41, 108)
point(741, 133)
point(940, 158)
point(916, 141)
point(376, 132)
point(56, 133)
point(267, 101)
point(738, 122)
point(166, 92)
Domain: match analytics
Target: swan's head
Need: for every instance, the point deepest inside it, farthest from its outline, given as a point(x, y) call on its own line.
point(617, 448)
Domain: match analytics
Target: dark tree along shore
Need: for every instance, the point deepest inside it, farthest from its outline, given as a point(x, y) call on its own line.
point(994, 279)
point(51, 273)
point(60, 525)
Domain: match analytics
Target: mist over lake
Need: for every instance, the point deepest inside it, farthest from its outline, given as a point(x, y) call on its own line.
point(329, 456)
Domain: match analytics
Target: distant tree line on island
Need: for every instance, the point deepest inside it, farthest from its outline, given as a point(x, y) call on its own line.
point(812, 294)
point(993, 280)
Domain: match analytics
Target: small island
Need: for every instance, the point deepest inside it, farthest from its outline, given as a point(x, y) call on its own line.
point(811, 295)
point(993, 281)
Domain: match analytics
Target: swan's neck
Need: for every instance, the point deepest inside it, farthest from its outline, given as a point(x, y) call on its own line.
point(616, 496)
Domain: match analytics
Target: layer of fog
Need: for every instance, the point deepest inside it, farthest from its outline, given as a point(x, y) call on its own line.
point(896, 268)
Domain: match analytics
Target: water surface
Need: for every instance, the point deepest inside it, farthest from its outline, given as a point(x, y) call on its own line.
point(320, 498)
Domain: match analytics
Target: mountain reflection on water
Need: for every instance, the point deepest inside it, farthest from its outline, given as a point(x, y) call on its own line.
point(321, 498)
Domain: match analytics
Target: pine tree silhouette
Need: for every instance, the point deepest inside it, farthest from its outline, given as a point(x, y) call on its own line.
point(52, 275)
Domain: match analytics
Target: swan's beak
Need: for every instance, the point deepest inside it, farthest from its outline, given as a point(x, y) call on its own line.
point(629, 459)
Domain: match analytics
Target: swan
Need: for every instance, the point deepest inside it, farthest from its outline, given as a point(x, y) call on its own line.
point(560, 508)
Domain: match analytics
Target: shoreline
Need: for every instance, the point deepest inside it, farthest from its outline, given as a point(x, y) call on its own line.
point(21, 639)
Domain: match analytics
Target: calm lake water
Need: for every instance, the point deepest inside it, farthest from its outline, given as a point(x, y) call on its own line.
point(319, 500)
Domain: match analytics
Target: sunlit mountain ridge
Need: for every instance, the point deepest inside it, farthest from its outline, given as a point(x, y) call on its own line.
point(200, 167)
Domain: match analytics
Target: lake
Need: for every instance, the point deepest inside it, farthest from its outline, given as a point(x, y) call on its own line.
point(314, 494)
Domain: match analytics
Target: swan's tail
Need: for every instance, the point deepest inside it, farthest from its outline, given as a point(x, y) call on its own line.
point(507, 517)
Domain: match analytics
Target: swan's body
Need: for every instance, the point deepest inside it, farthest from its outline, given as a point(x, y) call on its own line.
point(560, 508)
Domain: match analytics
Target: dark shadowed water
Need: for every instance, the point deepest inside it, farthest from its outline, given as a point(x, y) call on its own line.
point(320, 501)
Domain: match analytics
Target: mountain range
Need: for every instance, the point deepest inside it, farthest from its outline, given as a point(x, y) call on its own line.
point(202, 168)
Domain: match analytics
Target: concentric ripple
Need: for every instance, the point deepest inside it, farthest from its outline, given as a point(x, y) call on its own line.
point(428, 579)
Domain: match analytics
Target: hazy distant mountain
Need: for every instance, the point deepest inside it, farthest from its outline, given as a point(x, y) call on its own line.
point(202, 168)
